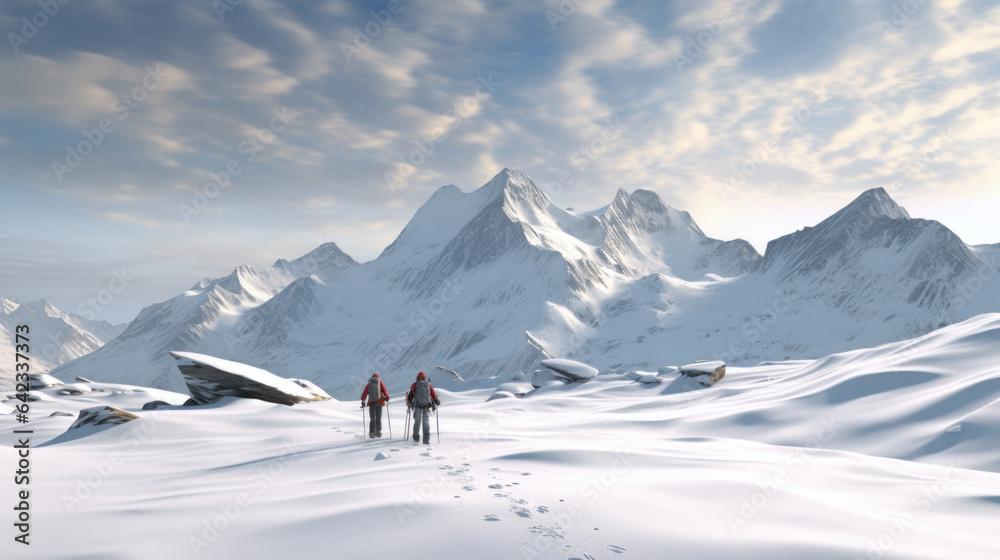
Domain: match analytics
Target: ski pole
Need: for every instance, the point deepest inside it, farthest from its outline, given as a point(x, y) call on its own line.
point(406, 423)
point(363, 432)
point(437, 420)
point(389, 418)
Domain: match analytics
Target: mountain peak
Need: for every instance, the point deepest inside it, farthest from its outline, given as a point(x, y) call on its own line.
point(510, 181)
point(871, 204)
point(42, 307)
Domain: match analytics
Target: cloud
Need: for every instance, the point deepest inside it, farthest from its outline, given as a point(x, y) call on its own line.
point(686, 130)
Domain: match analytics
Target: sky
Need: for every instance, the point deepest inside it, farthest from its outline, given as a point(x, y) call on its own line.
point(146, 145)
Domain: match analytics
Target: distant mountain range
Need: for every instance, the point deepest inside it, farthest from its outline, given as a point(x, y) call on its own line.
point(490, 282)
point(55, 337)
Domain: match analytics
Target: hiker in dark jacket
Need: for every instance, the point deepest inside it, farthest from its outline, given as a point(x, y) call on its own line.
point(377, 396)
point(422, 397)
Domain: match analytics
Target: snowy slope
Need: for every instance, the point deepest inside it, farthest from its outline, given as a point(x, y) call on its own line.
point(492, 281)
point(884, 452)
point(203, 318)
point(55, 336)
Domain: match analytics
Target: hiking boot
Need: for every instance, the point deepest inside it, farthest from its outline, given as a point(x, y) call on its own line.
point(427, 442)
point(416, 438)
point(371, 434)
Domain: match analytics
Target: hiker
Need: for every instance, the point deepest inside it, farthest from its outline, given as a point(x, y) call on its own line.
point(377, 397)
point(422, 397)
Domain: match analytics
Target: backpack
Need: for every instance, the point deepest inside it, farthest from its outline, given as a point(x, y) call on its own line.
point(374, 392)
point(422, 393)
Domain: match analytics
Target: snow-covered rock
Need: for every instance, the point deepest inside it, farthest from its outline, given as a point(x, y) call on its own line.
point(209, 379)
point(511, 389)
point(102, 416)
point(706, 373)
point(572, 370)
point(644, 377)
point(42, 381)
point(75, 389)
point(312, 388)
point(546, 377)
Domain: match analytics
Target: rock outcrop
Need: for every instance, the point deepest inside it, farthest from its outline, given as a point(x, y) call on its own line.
point(571, 370)
point(209, 379)
point(101, 416)
point(706, 373)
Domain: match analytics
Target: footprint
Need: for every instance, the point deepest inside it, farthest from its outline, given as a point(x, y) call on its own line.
point(521, 512)
point(496, 486)
point(616, 549)
point(469, 488)
point(543, 509)
point(491, 517)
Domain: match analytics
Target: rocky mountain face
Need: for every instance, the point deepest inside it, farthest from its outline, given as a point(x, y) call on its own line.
point(492, 281)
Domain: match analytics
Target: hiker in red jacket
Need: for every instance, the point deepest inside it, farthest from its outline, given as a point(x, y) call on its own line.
point(422, 397)
point(377, 397)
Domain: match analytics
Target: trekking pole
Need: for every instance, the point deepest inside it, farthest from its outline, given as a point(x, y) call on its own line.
point(363, 432)
point(389, 418)
point(406, 423)
point(437, 420)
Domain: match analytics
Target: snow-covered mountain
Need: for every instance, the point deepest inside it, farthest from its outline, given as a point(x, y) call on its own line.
point(202, 318)
point(55, 336)
point(491, 281)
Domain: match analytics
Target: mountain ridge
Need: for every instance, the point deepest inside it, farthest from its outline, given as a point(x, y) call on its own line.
point(493, 280)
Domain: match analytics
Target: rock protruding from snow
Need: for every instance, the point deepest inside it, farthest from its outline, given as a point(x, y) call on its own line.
point(43, 381)
point(644, 376)
point(545, 377)
point(312, 388)
point(101, 416)
point(512, 389)
point(75, 389)
point(209, 379)
point(706, 373)
point(574, 371)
